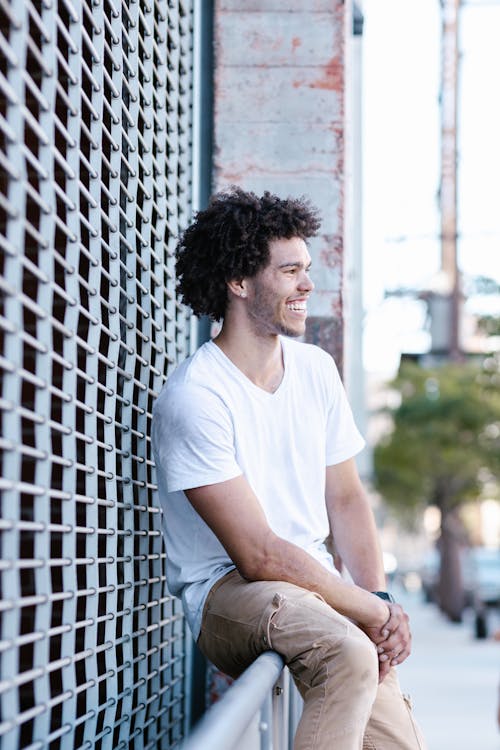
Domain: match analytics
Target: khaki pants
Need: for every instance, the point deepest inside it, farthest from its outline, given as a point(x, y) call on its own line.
point(333, 663)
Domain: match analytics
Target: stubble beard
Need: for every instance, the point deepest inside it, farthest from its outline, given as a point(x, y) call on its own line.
point(284, 331)
point(270, 325)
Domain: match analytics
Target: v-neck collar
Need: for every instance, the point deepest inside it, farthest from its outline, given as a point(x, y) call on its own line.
point(244, 379)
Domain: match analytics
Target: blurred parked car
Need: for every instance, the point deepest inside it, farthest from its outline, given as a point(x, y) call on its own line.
point(429, 575)
point(481, 581)
point(483, 588)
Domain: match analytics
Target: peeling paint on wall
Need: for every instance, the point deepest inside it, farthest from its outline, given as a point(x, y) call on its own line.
point(279, 124)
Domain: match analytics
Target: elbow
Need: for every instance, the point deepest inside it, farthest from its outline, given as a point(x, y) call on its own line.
point(247, 571)
point(260, 562)
point(252, 570)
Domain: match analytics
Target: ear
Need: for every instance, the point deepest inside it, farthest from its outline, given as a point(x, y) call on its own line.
point(238, 287)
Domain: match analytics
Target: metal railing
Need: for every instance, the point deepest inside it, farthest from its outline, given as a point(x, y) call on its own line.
point(260, 711)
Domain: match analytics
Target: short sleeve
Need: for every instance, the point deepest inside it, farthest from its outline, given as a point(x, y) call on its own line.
point(343, 439)
point(193, 438)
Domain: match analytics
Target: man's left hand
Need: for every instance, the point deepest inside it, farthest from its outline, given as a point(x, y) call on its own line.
point(395, 644)
point(393, 640)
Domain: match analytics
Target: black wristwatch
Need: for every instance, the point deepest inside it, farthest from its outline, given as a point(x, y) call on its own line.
point(385, 595)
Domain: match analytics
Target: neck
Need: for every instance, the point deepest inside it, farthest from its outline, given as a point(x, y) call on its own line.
point(259, 358)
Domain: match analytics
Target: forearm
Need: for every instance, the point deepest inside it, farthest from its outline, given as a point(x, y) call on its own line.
point(356, 539)
point(284, 561)
point(353, 526)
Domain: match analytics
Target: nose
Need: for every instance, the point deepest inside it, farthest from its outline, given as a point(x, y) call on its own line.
point(306, 283)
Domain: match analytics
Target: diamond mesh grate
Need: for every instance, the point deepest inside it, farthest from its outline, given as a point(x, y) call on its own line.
point(95, 163)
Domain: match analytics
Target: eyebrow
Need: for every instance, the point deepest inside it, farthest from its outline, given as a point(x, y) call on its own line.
point(295, 264)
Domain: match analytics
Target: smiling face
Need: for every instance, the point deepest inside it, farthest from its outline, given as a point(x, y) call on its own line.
point(278, 294)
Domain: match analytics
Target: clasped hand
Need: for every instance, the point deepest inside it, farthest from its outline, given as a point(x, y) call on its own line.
point(393, 639)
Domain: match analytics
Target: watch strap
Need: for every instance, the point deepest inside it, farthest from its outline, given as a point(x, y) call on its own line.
point(385, 595)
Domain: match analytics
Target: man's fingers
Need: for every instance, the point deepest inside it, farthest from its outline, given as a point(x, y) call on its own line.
point(397, 615)
point(397, 653)
point(395, 642)
point(399, 658)
point(395, 649)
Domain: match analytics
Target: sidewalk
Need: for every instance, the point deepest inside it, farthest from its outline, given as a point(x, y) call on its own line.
point(452, 679)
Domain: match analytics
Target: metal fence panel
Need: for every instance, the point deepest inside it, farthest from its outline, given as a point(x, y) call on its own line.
point(95, 181)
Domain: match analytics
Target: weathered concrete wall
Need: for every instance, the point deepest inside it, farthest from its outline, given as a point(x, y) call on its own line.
point(279, 123)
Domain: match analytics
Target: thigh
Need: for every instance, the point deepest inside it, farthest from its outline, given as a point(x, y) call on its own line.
point(233, 622)
point(242, 619)
point(318, 642)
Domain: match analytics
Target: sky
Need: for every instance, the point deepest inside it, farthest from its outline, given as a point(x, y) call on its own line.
point(401, 142)
point(479, 166)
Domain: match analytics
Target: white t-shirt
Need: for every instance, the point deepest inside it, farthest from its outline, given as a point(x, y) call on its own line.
point(211, 424)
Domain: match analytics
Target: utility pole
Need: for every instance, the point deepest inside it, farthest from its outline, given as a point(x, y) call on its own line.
point(448, 187)
point(451, 590)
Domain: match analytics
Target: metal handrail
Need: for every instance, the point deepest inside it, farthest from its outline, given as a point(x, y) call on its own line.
point(225, 722)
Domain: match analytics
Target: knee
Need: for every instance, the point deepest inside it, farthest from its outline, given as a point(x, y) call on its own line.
point(354, 656)
point(359, 660)
point(348, 667)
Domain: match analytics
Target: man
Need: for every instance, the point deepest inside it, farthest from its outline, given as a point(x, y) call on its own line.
point(254, 444)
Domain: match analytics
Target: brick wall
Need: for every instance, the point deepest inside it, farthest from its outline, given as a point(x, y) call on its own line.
point(279, 124)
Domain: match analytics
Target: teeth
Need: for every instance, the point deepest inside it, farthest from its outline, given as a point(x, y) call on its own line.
point(299, 307)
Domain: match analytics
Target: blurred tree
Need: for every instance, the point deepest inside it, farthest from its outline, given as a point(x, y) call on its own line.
point(445, 443)
point(481, 285)
point(489, 324)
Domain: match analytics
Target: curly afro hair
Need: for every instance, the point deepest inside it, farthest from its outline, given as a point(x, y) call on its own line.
point(230, 240)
